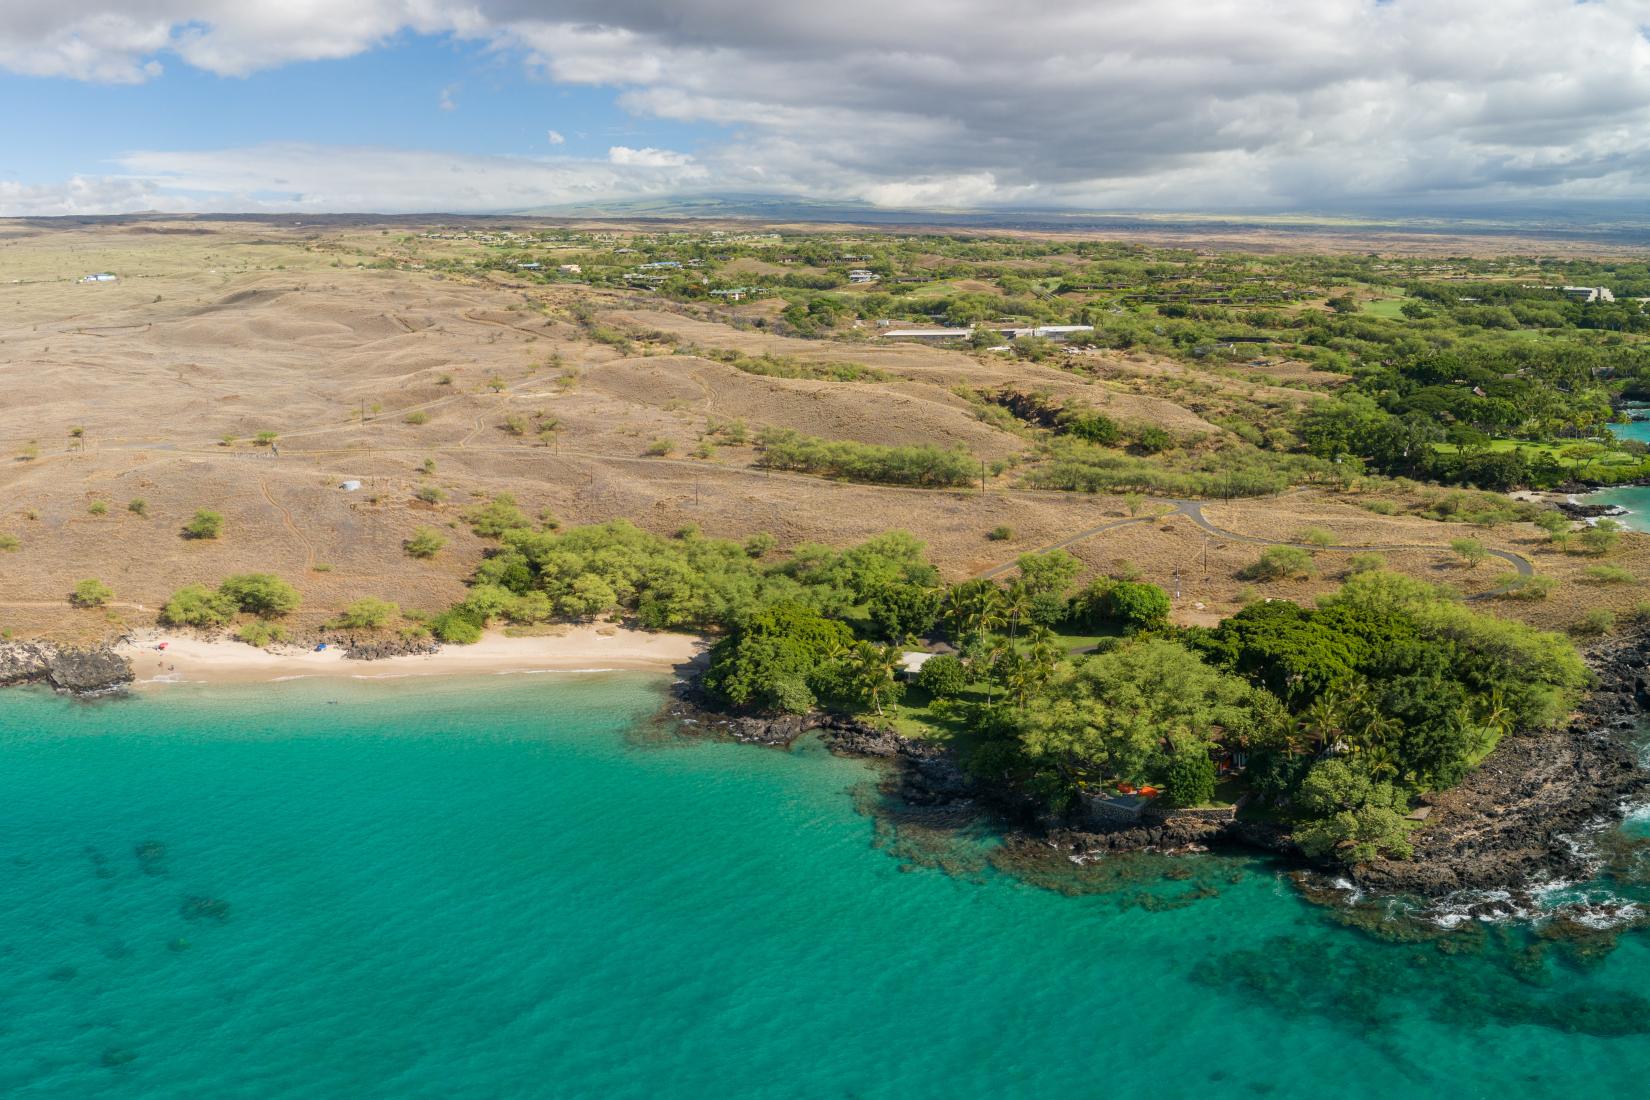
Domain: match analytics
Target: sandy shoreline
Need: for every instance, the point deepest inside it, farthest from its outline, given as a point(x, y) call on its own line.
point(598, 647)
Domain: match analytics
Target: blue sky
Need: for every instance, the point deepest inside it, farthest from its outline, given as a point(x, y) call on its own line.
point(389, 96)
point(327, 105)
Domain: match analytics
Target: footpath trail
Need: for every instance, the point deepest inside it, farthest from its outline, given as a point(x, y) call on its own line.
point(288, 523)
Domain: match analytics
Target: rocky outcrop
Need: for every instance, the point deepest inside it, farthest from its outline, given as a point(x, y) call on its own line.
point(1578, 510)
point(922, 773)
point(367, 647)
point(92, 671)
point(1518, 818)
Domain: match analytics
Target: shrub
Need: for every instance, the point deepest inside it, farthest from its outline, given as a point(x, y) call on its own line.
point(919, 464)
point(497, 516)
point(1609, 574)
point(9, 542)
point(262, 594)
point(942, 676)
point(259, 633)
point(660, 447)
point(91, 593)
point(1191, 777)
point(1366, 562)
point(265, 438)
point(138, 506)
point(1000, 534)
point(760, 545)
point(197, 605)
point(1594, 623)
point(206, 524)
point(367, 613)
point(99, 508)
point(430, 494)
point(1601, 537)
point(1318, 538)
point(456, 627)
point(425, 543)
point(1524, 588)
point(417, 418)
point(1279, 563)
point(515, 425)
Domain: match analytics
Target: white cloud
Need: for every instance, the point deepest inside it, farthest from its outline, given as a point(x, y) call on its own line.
point(647, 158)
point(954, 102)
point(449, 101)
point(288, 176)
point(554, 137)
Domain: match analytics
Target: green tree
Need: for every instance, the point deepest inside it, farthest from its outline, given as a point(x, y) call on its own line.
point(91, 593)
point(1470, 551)
point(263, 594)
point(872, 674)
point(1125, 708)
point(1351, 816)
point(197, 605)
point(768, 656)
point(1602, 536)
point(942, 676)
point(1279, 563)
point(1190, 777)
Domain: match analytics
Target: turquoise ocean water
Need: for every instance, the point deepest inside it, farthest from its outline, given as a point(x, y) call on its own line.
point(515, 887)
point(1635, 498)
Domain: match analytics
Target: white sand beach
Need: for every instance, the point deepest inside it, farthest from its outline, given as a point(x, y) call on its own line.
point(161, 657)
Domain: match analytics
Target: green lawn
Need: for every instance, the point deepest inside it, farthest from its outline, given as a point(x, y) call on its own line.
point(1386, 307)
point(1613, 465)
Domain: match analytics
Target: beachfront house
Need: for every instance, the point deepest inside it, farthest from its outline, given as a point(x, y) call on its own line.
point(911, 663)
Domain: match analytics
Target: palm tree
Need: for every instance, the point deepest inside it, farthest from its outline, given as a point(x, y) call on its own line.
point(874, 669)
point(1015, 601)
point(1322, 719)
point(1381, 762)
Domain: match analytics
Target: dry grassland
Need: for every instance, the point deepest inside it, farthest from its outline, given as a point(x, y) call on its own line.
point(155, 388)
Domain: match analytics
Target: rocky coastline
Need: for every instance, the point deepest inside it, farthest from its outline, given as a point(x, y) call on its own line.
point(92, 671)
point(1519, 820)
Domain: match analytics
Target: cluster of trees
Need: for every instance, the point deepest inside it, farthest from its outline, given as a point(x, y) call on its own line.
point(1225, 469)
point(1344, 710)
point(687, 582)
point(262, 594)
point(788, 366)
point(917, 464)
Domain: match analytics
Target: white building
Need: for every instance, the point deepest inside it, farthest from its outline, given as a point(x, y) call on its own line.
point(99, 277)
point(860, 275)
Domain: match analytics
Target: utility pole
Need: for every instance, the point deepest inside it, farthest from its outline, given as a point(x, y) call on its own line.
point(982, 477)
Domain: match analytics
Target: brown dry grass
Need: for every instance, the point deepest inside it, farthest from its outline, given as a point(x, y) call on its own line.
point(232, 328)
